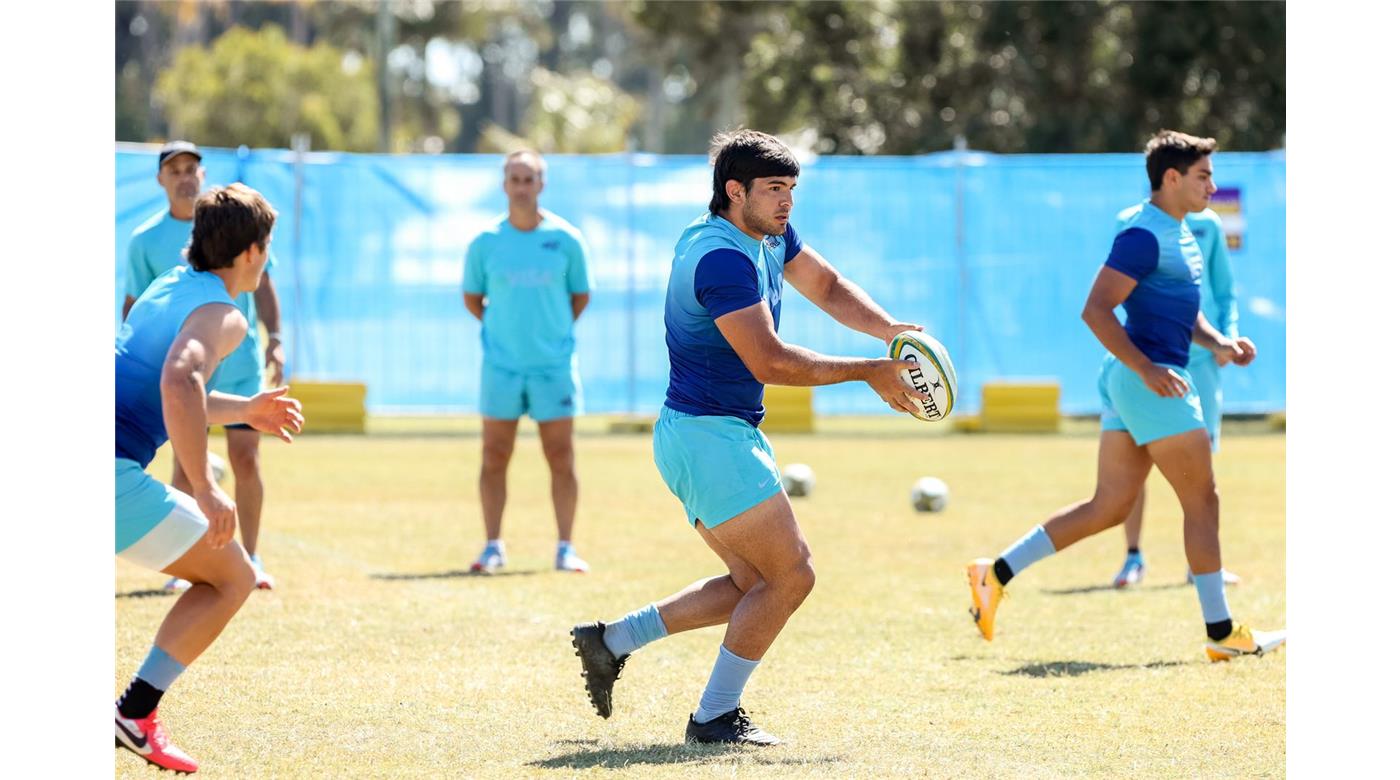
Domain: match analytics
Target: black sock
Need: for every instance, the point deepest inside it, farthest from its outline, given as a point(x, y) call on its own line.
point(1134, 551)
point(1003, 571)
point(1219, 630)
point(141, 699)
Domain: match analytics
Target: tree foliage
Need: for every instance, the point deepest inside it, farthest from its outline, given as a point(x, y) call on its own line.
point(257, 88)
point(856, 76)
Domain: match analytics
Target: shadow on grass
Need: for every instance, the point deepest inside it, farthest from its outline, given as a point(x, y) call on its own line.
point(666, 753)
point(1100, 588)
point(1077, 668)
point(147, 593)
point(456, 574)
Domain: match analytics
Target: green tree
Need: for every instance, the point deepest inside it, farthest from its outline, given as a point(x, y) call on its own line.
point(257, 88)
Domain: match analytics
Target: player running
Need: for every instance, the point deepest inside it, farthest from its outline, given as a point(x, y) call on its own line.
point(174, 336)
point(1152, 414)
point(722, 309)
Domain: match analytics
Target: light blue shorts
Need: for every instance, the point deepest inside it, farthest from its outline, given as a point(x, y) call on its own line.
point(546, 395)
point(718, 466)
point(1206, 374)
point(1129, 405)
point(156, 524)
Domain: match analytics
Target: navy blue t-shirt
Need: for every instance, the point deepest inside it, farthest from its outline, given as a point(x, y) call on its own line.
point(1162, 255)
point(719, 269)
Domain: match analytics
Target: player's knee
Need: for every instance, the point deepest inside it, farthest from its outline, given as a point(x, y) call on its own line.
point(799, 580)
point(1204, 507)
point(560, 458)
point(244, 461)
point(496, 457)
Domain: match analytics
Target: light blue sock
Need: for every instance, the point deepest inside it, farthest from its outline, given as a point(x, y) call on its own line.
point(726, 685)
point(634, 631)
point(1210, 589)
point(1028, 549)
point(564, 548)
point(159, 669)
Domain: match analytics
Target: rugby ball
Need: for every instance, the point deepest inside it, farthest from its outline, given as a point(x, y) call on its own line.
point(798, 480)
point(930, 494)
point(930, 371)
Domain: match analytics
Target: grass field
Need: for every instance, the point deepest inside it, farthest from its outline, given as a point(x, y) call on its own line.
point(377, 656)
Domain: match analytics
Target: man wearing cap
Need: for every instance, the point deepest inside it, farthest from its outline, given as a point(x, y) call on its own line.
point(157, 246)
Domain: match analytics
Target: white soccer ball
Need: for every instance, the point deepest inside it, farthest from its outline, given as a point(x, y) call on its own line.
point(930, 494)
point(798, 480)
point(930, 371)
point(219, 466)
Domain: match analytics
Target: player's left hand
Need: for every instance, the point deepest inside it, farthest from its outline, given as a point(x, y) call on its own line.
point(272, 411)
point(898, 328)
point(1246, 352)
point(275, 360)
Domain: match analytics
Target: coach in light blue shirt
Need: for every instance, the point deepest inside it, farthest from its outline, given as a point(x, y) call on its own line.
point(527, 280)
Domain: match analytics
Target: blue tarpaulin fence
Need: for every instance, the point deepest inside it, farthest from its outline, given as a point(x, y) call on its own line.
point(993, 254)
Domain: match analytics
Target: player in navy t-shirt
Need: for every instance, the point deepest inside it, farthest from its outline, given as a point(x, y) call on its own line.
point(723, 304)
point(1152, 414)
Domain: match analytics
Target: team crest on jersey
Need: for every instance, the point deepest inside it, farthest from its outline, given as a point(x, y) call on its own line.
point(550, 245)
point(771, 241)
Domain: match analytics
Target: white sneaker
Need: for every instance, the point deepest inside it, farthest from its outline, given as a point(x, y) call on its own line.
point(491, 561)
point(264, 580)
point(570, 561)
point(1226, 576)
point(177, 584)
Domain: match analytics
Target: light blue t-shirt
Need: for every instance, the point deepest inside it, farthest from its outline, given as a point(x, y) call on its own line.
point(1218, 277)
point(156, 247)
point(528, 278)
point(142, 344)
point(718, 269)
point(1159, 252)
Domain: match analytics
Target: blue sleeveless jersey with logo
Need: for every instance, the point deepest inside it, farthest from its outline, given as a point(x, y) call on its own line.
point(1161, 253)
point(719, 269)
point(142, 344)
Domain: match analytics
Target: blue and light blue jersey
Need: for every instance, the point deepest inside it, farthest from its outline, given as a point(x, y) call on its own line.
point(719, 269)
point(528, 278)
point(1218, 277)
point(142, 344)
point(1161, 253)
point(156, 247)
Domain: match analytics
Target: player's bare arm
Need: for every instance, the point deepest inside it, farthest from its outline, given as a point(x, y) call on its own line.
point(209, 334)
point(844, 300)
point(751, 335)
point(579, 301)
point(271, 411)
point(1110, 289)
point(270, 312)
point(1239, 351)
point(476, 304)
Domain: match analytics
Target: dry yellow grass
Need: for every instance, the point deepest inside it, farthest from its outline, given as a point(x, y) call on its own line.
point(375, 657)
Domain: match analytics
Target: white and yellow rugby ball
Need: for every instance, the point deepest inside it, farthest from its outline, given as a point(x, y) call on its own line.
point(930, 371)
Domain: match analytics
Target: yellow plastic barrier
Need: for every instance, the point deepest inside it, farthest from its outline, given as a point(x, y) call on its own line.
point(331, 407)
point(789, 410)
point(1016, 407)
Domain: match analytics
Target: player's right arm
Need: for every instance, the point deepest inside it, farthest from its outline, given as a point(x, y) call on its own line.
point(474, 278)
point(138, 275)
point(753, 338)
point(209, 334)
point(1134, 255)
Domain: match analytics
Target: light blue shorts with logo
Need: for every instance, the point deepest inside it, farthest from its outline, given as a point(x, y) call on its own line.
point(1130, 405)
point(549, 394)
point(718, 466)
